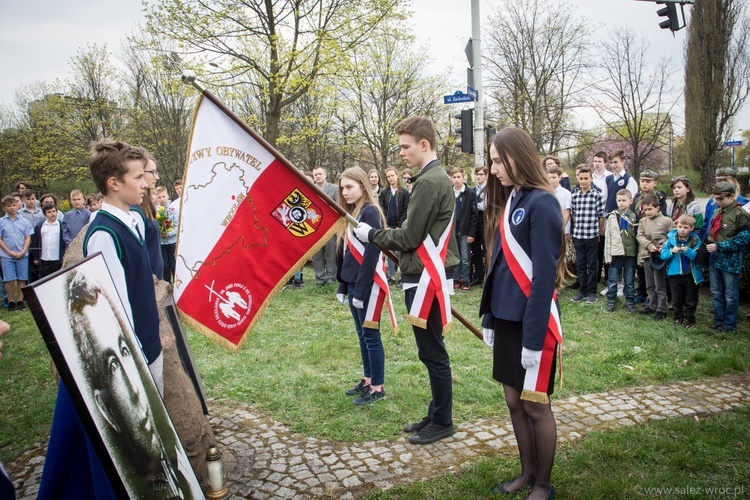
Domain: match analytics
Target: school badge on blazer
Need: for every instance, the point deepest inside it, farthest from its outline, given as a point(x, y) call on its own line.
point(298, 214)
point(517, 216)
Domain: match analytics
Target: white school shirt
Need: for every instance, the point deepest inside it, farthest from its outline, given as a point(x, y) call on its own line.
point(50, 234)
point(101, 241)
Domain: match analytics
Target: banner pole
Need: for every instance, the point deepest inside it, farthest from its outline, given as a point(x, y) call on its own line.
point(189, 78)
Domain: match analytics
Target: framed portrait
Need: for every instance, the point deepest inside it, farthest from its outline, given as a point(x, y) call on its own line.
point(185, 352)
point(90, 338)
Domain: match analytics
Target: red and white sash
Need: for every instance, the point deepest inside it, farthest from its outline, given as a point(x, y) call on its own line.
point(432, 282)
point(536, 381)
point(380, 292)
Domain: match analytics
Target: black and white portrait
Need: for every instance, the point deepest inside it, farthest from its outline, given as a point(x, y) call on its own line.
point(96, 348)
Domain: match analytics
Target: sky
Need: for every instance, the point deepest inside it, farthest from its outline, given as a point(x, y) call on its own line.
point(39, 37)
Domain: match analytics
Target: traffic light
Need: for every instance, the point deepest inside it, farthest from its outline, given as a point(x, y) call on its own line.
point(465, 131)
point(670, 12)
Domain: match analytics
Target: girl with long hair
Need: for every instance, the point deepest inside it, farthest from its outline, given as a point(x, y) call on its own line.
point(374, 180)
point(521, 319)
point(362, 278)
point(684, 201)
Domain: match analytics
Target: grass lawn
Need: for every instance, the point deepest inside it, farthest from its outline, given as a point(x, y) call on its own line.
point(304, 354)
point(653, 460)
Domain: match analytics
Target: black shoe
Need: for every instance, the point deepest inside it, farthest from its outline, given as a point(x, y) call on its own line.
point(20, 306)
point(359, 389)
point(611, 306)
point(475, 282)
point(658, 316)
point(432, 432)
point(714, 328)
point(297, 285)
point(630, 307)
point(646, 310)
point(678, 322)
point(417, 426)
point(574, 286)
point(578, 297)
point(11, 306)
point(370, 398)
point(501, 488)
point(689, 325)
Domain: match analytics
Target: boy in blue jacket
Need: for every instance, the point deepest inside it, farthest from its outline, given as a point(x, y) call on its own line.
point(679, 253)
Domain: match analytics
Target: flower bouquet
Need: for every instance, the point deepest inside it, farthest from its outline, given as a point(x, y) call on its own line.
point(164, 220)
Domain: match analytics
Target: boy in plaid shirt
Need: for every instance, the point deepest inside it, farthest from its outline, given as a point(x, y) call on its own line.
point(726, 240)
point(587, 213)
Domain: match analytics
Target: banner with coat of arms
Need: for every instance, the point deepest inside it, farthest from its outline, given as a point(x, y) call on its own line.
point(248, 221)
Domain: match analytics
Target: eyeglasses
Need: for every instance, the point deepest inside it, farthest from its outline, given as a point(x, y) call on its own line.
point(154, 172)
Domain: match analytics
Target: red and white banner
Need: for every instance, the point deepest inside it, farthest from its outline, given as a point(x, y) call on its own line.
point(247, 223)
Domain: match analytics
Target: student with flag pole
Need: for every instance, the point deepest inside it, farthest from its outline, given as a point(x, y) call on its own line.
point(521, 318)
point(362, 278)
point(429, 253)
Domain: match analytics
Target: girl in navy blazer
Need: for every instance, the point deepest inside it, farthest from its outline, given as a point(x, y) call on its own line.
point(520, 315)
point(357, 278)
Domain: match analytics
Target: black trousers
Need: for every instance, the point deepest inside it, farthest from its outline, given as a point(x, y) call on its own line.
point(586, 263)
point(432, 353)
point(684, 297)
point(47, 267)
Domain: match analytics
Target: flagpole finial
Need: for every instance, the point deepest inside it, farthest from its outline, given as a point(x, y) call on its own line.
point(188, 78)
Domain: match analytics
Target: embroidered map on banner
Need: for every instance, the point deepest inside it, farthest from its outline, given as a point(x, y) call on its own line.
point(247, 223)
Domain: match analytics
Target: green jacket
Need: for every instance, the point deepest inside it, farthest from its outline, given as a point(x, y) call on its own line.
point(430, 211)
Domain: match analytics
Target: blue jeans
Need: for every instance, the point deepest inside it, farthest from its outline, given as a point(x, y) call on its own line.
point(464, 267)
point(625, 267)
point(370, 345)
point(725, 295)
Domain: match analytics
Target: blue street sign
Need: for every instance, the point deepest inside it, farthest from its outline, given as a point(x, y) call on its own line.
point(733, 144)
point(472, 92)
point(457, 96)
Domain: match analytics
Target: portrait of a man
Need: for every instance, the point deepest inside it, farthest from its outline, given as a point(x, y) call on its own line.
point(103, 358)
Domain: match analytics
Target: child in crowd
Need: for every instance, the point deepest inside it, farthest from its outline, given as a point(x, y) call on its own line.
point(652, 234)
point(726, 240)
point(51, 239)
point(15, 238)
point(587, 212)
point(679, 253)
point(363, 283)
point(647, 183)
point(684, 201)
point(620, 250)
point(465, 225)
point(554, 176)
point(94, 202)
point(167, 230)
point(51, 199)
point(79, 215)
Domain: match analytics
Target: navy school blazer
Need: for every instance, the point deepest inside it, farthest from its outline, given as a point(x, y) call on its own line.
point(536, 223)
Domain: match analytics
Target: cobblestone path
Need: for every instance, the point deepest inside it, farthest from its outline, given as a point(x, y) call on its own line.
point(264, 459)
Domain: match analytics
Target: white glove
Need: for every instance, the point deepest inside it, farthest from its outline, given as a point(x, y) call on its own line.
point(358, 304)
point(529, 359)
point(489, 336)
point(341, 297)
point(362, 232)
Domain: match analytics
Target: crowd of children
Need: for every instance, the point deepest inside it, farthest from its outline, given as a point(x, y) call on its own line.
point(666, 247)
point(35, 233)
